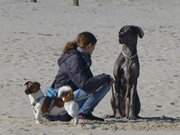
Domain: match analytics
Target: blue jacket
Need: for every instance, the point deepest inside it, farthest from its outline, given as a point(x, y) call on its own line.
point(74, 70)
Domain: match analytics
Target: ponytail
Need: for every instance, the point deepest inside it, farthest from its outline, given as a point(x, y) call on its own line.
point(72, 45)
point(83, 40)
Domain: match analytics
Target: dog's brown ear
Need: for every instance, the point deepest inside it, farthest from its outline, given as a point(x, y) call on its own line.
point(139, 31)
point(27, 83)
point(37, 84)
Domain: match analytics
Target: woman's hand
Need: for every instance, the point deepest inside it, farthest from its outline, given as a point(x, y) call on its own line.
point(111, 81)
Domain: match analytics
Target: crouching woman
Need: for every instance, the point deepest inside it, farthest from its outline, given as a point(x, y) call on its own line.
point(74, 70)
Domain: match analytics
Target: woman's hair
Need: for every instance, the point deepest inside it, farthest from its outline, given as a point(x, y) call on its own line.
point(82, 41)
point(70, 46)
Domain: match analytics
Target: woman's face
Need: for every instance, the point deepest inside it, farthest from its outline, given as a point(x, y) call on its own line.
point(90, 48)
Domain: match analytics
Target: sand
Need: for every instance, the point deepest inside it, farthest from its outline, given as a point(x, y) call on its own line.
point(32, 36)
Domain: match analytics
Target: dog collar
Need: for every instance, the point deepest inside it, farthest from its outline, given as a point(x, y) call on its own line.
point(38, 100)
point(129, 57)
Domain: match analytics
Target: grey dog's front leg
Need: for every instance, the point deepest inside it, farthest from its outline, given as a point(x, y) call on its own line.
point(117, 96)
point(132, 103)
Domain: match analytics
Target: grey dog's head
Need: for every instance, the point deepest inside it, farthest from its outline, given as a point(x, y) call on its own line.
point(128, 34)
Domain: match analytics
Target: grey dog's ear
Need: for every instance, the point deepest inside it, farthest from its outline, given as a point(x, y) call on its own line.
point(138, 31)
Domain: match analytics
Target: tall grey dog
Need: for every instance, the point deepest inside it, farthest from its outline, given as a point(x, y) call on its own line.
point(125, 100)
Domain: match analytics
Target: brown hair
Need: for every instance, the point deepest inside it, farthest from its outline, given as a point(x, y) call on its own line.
point(70, 46)
point(82, 41)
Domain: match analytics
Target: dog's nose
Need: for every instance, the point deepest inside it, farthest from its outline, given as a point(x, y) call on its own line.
point(120, 40)
point(27, 91)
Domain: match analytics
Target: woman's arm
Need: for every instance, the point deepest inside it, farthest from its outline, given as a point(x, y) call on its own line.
point(82, 76)
point(77, 71)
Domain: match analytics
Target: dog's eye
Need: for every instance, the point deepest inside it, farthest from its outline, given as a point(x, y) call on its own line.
point(121, 33)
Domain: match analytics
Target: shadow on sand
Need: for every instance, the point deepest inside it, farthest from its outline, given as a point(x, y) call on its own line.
point(164, 119)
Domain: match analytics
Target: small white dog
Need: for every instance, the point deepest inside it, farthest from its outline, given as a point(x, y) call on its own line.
point(36, 97)
point(40, 104)
point(72, 108)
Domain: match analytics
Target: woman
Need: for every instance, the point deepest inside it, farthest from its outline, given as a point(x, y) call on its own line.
point(74, 70)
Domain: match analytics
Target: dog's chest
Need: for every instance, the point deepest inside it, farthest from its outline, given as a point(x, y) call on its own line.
point(32, 100)
point(36, 104)
point(126, 67)
point(72, 108)
point(129, 68)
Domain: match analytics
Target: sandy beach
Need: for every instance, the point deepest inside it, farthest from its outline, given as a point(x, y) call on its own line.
point(32, 36)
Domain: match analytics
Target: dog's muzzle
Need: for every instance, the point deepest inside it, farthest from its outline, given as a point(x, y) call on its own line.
point(28, 91)
point(121, 37)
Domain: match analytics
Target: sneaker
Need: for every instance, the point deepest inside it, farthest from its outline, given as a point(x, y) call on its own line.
point(89, 117)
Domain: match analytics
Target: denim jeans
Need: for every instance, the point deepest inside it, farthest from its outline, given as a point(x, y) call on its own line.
point(87, 105)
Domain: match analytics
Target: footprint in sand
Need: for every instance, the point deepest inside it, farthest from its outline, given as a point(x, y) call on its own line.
point(16, 40)
point(157, 110)
point(161, 59)
point(172, 103)
point(176, 76)
point(1, 86)
point(159, 106)
point(24, 129)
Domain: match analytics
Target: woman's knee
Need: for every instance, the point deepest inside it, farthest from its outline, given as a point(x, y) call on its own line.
point(79, 93)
